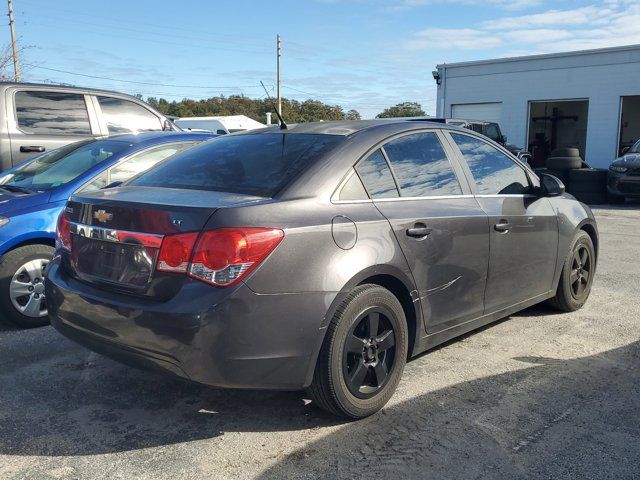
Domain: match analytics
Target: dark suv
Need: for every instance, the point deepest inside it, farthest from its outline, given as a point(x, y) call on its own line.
point(35, 118)
point(321, 256)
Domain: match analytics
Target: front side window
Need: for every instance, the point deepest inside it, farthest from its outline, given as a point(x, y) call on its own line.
point(124, 116)
point(493, 133)
point(260, 164)
point(52, 113)
point(421, 166)
point(57, 167)
point(376, 176)
point(493, 171)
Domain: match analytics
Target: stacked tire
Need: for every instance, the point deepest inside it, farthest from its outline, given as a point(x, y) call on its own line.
point(589, 185)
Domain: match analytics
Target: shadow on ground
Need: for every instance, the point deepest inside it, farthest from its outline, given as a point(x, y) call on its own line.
point(551, 419)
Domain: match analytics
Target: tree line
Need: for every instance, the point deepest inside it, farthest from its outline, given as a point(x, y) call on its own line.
point(293, 111)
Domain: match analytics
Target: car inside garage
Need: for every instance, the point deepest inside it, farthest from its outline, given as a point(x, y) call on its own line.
point(556, 124)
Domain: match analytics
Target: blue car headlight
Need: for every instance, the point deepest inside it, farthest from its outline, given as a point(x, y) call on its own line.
point(3, 221)
point(618, 169)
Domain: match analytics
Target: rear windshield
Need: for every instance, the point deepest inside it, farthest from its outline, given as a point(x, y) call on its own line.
point(260, 164)
point(57, 167)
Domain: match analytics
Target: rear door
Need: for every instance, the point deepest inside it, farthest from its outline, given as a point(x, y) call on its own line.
point(523, 226)
point(440, 227)
point(41, 120)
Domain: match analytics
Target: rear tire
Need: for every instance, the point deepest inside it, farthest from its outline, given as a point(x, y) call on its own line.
point(354, 377)
point(22, 300)
point(577, 275)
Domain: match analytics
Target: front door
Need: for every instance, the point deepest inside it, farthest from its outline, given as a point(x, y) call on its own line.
point(440, 227)
point(523, 227)
point(45, 120)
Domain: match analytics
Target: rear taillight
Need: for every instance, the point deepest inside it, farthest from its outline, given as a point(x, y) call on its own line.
point(175, 252)
point(219, 257)
point(63, 233)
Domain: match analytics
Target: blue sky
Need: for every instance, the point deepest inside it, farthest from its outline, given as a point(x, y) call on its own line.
point(363, 54)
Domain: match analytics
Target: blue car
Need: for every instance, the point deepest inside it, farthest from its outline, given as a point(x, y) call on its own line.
point(33, 194)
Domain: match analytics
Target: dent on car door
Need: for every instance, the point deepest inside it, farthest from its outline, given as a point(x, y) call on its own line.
point(523, 226)
point(46, 120)
point(440, 227)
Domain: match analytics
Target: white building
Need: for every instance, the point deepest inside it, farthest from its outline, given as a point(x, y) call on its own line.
point(589, 99)
point(221, 124)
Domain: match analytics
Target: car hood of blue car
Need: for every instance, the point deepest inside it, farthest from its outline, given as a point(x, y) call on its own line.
point(630, 160)
point(11, 202)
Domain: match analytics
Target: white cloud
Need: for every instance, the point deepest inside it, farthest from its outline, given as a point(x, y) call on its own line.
point(612, 23)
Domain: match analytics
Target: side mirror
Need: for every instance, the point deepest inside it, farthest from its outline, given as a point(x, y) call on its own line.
point(625, 150)
point(551, 186)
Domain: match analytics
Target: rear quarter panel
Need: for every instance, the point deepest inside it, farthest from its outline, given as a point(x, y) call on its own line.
point(572, 216)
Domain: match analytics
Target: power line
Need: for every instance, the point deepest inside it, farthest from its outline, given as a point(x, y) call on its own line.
point(153, 84)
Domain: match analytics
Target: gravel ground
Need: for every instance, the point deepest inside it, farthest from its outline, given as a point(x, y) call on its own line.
point(539, 395)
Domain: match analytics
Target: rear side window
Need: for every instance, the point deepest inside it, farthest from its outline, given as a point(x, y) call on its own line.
point(352, 190)
point(376, 176)
point(52, 113)
point(257, 164)
point(123, 116)
point(421, 166)
point(493, 171)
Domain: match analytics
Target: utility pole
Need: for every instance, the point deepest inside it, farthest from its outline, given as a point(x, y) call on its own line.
point(279, 82)
point(14, 43)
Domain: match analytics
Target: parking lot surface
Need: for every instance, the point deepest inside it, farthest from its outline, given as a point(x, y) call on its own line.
point(539, 395)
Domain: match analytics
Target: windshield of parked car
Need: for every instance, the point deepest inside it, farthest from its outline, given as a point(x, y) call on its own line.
point(258, 165)
point(60, 166)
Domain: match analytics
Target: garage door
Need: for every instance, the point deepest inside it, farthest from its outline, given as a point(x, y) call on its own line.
point(489, 112)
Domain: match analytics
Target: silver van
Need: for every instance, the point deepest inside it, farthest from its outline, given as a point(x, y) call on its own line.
point(35, 118)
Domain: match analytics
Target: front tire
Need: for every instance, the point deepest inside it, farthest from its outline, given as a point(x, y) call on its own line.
point(363, 355)
point(577, 275)
point(22, 299)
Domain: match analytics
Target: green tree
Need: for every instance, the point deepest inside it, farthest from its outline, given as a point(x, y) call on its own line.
point(293, 111)
point(404, 109)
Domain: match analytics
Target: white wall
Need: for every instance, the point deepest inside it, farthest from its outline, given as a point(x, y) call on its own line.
point(602, 77)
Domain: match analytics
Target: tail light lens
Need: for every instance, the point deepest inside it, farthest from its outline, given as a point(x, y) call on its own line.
point(219, 257)
point(175, 252)
point(222, 257)
point(63, 233)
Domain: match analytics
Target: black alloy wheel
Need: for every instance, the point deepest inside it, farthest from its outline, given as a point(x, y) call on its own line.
point(369, 353)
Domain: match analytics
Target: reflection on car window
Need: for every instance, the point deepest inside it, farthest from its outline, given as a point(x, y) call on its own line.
point(635, 148)
point(353, 190)
point(376, 176)
point(421, 166)
point(493, 171)
point(58, 167)
point(123, 116)
point(52, 113)
point(259, 164)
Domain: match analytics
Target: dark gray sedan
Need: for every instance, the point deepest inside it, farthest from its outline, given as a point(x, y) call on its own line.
point(623, 179)
point(322, 256)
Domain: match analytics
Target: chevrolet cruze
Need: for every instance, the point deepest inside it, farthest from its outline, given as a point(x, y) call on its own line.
point(321, 256)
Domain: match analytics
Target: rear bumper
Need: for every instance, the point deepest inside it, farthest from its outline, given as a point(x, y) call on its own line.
point(232, 337)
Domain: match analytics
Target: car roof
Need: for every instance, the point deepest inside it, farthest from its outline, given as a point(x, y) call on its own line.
point(344, 127)
point(55, 86)
point(158, 137)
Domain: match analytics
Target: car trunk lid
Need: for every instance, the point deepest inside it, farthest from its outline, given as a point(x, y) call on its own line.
point(117, 233)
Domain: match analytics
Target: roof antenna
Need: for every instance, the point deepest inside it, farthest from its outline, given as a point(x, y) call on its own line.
point(283, 125)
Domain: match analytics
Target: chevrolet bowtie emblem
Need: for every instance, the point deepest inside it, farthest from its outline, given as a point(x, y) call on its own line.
point(102, 216)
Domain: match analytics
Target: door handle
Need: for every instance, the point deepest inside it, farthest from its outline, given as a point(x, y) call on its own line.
point(419, 230)
point(502, 226)
point(32, 148)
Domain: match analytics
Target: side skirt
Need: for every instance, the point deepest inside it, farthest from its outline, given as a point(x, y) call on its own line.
point(428, 342)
